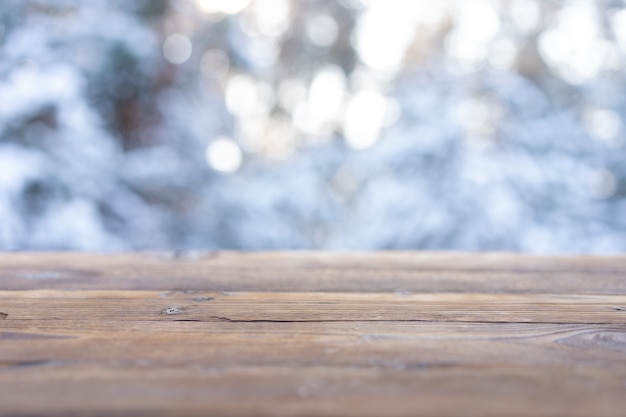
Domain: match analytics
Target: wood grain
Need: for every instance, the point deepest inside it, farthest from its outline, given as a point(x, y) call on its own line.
point(311, 271)
point(312, 334)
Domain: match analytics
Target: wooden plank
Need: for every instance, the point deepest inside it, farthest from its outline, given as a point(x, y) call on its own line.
point(386, 345)
point(312, 334)
point(321, 306)
point(302, 271)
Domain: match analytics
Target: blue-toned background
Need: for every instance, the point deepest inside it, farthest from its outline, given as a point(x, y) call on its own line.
point(352, 124)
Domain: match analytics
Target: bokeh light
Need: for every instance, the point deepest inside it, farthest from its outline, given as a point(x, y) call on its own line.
point(364, 119)
point(177, 48)
point(224, 155)
point(322, 30)
point(222, 6)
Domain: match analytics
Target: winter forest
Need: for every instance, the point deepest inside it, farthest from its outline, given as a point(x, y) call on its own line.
point(490, 125)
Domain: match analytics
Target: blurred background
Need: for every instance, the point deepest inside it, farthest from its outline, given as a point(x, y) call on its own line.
point(346, 124)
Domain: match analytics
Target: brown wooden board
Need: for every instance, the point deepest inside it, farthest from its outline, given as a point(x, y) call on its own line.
point(312, 334)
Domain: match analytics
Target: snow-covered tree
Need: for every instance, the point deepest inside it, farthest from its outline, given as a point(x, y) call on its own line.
point(263, 124)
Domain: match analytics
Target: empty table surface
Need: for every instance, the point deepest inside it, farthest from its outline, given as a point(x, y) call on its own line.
point(312, 334)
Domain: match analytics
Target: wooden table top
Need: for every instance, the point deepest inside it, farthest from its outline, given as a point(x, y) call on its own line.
point(312, 334)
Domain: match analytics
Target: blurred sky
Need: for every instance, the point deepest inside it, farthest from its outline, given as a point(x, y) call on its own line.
point(348, 124)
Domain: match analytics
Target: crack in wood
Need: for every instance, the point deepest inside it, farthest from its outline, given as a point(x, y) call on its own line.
point(213, 319)
point(3, 316)
point(230, 320)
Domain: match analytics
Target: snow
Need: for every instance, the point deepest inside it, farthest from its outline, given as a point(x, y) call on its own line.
point(334, 143)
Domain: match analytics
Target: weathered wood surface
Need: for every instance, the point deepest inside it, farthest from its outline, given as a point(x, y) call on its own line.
point(312, 334)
